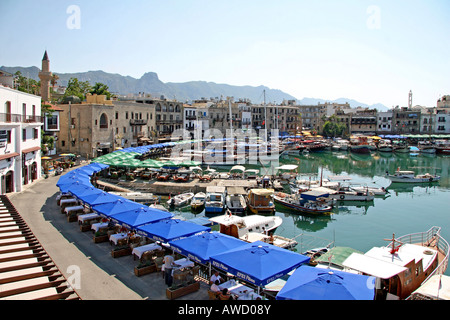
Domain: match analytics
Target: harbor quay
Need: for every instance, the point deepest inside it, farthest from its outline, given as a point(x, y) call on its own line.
point(87, 266)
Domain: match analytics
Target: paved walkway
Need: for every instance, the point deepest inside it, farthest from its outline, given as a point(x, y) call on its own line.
point(102, 276)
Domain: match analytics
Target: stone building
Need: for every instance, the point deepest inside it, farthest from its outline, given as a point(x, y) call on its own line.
point(100, 126)
point(45, 75)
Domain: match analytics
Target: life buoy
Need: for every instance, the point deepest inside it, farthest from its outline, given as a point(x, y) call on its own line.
point(342, 197)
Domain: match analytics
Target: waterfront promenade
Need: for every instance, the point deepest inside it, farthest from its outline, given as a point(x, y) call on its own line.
point(102, 277)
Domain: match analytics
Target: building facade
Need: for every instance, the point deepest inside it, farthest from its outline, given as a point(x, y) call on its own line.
point(92, 129)
point(20, 139)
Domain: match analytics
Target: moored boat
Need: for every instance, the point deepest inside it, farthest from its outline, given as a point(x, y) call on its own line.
point(260, 201)
point(359, 145)
point(404, 264)
point(442, 146)
point(180, 199)
point(235, 200)
point(215, 199)
point(348, 194)
point(406, 176)
point(198, 201)
point(307, 202)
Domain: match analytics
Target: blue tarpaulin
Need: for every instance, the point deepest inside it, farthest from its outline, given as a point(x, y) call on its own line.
point(104, 197)
point(201, 247)
point(171, 229)
point(309, 283)
point(258, 262)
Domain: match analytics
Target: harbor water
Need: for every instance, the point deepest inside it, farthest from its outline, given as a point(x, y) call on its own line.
point(407, 208)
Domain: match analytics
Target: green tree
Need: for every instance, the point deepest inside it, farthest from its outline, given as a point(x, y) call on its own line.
point(27, 85)
point(101, 89)
point(334, 128)
point(77, 88)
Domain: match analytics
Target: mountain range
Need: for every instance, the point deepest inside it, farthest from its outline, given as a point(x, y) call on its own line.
point(185, 91)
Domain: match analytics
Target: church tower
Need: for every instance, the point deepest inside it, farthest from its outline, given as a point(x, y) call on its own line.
point(45, 75)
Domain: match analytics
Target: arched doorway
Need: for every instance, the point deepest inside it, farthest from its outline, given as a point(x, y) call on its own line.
point(9, 182)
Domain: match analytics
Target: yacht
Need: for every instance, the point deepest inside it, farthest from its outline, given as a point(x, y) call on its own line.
point(406, 176)
point(235, 200)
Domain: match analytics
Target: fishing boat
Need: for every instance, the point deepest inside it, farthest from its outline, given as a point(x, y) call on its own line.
point(198, 201)
point(406, 176)
point(307, 202)
point(375, 190)
point(235, 200)
point(215, 199)
point(260, 201)
point(442, 146)
point(385, 146)
point(287, 172)
point(359, 145)
point(426, 147)
point(401, 147)
point(346, 193)
point(404, 264)
point(180, 199)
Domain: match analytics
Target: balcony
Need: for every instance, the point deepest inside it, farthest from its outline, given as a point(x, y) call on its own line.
point(138, 122)
point(13, 117)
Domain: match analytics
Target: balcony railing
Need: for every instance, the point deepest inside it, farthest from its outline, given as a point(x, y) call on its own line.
point(139, 122)
point(13, 117)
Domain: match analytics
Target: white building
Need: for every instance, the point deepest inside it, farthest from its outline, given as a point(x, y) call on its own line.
point(20, 139)
point(384, 122)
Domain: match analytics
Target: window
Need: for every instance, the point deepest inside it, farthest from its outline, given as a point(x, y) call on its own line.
point(126, 114)
point(24, 134)
point(35, 133)
point(103, 121)
point(117, 115)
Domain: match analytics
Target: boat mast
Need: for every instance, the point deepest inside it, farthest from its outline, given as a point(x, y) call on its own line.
point(265, 117)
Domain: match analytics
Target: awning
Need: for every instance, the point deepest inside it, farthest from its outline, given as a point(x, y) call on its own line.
point(31, 149)
point(8, 155)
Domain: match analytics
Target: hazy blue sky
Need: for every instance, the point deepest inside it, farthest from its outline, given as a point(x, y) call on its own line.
point(372, 51)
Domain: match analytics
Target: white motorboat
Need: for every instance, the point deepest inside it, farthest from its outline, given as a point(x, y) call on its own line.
point(426, 147)
point(375, 190)
point(306, 202)
point(198, 201)
point(348, 194)
point(235, 200)
point(180, 199)
point(215, 199)
point(406, 176)
point(239, 227)
point(385, 146)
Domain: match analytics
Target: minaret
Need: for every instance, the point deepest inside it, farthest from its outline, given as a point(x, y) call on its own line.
point(45, 75)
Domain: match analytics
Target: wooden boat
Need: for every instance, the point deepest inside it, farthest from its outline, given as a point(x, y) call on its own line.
point(442, 146)
point(306, 202)
point(426, 147)
point(410, 177)
point(260, 201)
point(404, 264)
point(180, 199)
point(360, 145)
point(385, 146)
point(198, 201)
point(215, 199)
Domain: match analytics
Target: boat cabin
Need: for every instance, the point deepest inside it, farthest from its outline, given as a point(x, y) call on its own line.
point(398, 271)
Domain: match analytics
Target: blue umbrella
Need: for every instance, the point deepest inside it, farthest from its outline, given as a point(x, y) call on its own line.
point(103, 197)
point(84, 190)
point(170, 229)
point(309, 283)
point(67, 186)
point(71, 178)
point(201, 247)
point(258, 262)
point(98, 166)
point(115, 207)
point(86, 170)
point(134, 218)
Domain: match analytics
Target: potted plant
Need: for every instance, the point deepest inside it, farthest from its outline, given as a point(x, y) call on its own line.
point(100, 237)
point(121, 251)
point(144, 267)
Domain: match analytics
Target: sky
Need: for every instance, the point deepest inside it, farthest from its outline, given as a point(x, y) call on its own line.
point(372, 51)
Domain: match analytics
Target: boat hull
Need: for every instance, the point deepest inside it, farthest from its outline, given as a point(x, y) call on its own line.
point(414, 180)
point(351, 197)
point(302, 209)
point(361, 149)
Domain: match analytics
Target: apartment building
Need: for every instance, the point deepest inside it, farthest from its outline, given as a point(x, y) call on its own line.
point(20, 139)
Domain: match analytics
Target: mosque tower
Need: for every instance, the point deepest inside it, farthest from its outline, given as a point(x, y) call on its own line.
point(45, 75)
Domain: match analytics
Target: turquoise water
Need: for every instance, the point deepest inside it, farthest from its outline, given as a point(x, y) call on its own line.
point(406, 209)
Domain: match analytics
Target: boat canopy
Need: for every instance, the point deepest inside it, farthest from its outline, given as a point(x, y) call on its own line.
point(238, 168)
point(314, 194)
point(287, 167)
point(215, 189)
point(373, 266)
point(262, 192)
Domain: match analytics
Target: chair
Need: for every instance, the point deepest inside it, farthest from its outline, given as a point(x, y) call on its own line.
point(213, 295)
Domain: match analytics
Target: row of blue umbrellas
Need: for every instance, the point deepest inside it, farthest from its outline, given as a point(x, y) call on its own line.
point(257, 263)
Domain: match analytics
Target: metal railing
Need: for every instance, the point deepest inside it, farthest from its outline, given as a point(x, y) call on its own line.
point(433, 235)
point(14, 117)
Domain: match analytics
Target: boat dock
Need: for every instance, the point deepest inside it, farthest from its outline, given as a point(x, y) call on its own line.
point(166, 188)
